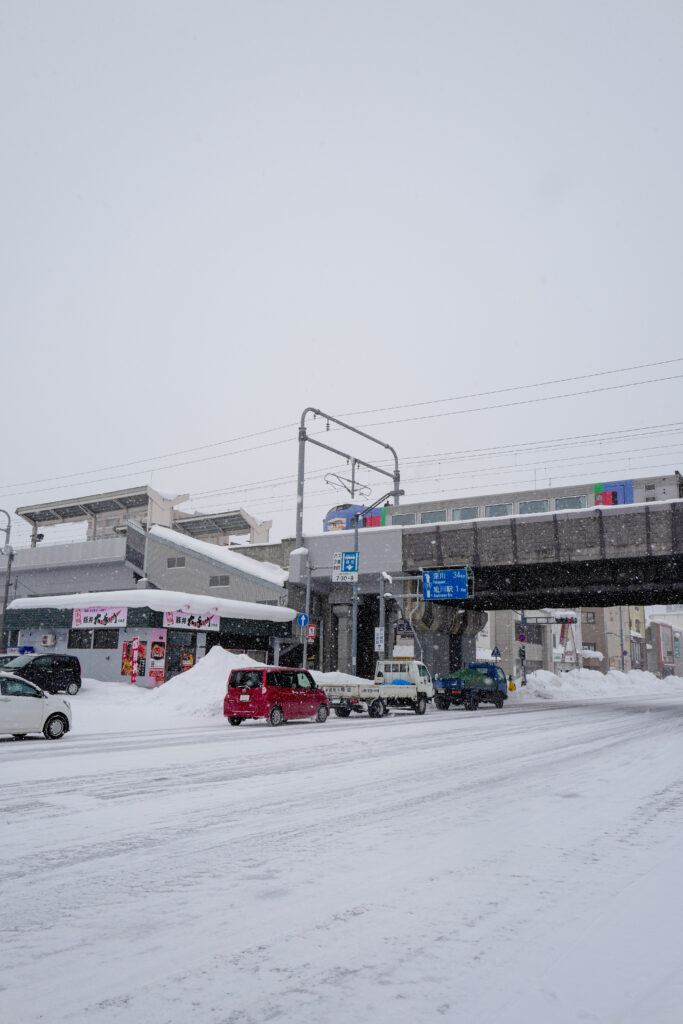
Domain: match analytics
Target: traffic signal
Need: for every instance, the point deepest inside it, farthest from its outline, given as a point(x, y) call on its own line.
point(566, 620)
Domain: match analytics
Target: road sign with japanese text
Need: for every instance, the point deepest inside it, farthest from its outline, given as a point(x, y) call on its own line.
point(445, 584)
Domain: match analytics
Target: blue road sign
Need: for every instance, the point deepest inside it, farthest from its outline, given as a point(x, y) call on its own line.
point(349, 561)
point(302, 619)
point(444, 584)
point(495, 653)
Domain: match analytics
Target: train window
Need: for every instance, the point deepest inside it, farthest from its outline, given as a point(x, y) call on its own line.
point(576, 501)
point(527, 508)
point(435, 516)
point(465, 513)
point(404, 519)
point(498, 510)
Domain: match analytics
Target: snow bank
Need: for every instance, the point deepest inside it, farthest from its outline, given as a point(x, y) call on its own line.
point(196, 696)
point(582, 683)
point(199, 692)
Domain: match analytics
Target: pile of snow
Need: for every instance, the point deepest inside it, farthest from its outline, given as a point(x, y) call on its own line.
point(199, 692)
point(196, 696)
point(585, 682)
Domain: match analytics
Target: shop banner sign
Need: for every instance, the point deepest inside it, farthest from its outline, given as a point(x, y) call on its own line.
point(157, 656)
point(191, 620)
point(134, 651)
point(99, 618)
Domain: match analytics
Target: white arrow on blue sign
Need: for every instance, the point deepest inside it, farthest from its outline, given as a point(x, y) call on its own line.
point(302, 619)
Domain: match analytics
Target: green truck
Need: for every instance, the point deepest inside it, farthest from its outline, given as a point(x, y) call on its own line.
point(480, 682)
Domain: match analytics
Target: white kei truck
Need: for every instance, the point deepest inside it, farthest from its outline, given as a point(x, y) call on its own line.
point(398, 683)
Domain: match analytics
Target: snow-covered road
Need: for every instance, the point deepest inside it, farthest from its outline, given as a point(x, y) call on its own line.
point(520, 865)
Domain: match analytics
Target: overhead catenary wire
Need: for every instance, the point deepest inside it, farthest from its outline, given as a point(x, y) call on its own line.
point(4, 490)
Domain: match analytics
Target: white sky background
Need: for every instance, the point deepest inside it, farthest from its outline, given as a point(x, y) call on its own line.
point(216, 214)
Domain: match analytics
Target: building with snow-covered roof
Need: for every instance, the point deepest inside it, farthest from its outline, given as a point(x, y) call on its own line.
point(134, 533)
point(173, 629)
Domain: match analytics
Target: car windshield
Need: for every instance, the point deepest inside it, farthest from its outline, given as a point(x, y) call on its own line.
point(21, 661)
point(245, 680)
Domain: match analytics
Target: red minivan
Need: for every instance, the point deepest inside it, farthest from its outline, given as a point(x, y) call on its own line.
point(273, 693)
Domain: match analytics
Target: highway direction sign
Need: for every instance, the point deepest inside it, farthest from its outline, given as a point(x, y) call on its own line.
point(445, 584)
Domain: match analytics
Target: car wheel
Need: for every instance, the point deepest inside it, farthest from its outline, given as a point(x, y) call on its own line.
point(471, 705)
point(322, 713)
point(276, 717)
point(421, 705)
point(72, 689)
point(54, 728)
point(342, 712)
point(19, 735)
point(235, 721)
point(442, 703)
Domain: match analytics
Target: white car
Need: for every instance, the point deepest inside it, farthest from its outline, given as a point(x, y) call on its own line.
point(25, 708)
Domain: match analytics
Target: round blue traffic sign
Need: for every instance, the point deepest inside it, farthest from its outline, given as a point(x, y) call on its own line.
point(303, 619)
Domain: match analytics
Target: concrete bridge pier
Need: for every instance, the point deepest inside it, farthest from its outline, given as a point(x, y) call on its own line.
point(343, 614)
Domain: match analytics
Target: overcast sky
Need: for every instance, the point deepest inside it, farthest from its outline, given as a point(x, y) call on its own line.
point(215, 214)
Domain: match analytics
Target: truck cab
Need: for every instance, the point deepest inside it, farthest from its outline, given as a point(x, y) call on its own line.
point(406, 672)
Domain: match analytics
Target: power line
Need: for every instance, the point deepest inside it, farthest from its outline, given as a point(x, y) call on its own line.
point(632, 433)
point(290, 426)
point(526, 401)
point(516, 387)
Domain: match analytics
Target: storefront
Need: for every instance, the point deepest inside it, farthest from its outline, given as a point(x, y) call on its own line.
point(147, 636)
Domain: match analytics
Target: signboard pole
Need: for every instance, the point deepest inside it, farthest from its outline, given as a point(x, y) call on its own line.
point(382, 613)
point(304, 656)
point(134, 662)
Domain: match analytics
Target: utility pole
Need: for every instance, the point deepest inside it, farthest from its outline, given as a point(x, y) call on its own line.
point(621, 635)
point(354, 599)
point(7, 549)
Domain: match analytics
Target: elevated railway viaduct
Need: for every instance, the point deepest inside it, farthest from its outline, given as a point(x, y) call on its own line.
point(599, 556)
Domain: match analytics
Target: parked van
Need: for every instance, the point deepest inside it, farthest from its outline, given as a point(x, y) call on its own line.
point(277, 694)
point(51, 672)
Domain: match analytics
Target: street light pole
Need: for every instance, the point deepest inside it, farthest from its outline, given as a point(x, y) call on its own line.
point(354, 600)
point(10, 555)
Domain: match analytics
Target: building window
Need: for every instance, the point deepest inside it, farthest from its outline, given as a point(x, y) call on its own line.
point(527, 508)
point(590, 647)
point(492, 511)
point(80, 639)
point(465, 513)
point(588, 618)
point(219, 581)
point(437, 516)
point(106, 639)
point(404, 519)
point(176, 563)
point(577, 501)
